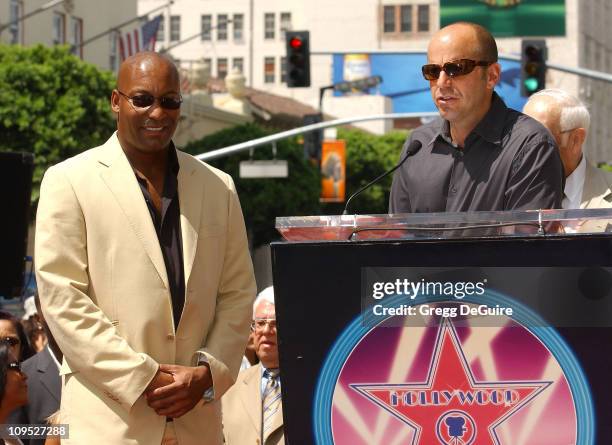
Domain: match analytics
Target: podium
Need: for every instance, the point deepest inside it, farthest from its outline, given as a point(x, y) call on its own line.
point(466, 328)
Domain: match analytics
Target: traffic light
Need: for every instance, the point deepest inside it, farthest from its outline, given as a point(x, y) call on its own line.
point(298, 58)
point(313, 139)
point(533, 66)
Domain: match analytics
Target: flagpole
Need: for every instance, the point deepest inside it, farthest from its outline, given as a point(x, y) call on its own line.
point(43, 8)
point(119, 26)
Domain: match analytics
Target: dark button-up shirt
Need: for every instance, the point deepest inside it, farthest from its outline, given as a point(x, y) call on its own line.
point(168, 228)
point(509, 162)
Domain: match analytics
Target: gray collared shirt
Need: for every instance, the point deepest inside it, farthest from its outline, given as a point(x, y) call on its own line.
point(509, 162)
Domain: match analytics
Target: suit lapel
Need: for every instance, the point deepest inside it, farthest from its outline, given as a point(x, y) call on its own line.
point(49, 374)
point(121, 180)
point(251, 396)
point(191, 195)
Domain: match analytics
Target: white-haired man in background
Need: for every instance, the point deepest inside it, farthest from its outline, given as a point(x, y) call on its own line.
point(566, 117)
point(252, 411)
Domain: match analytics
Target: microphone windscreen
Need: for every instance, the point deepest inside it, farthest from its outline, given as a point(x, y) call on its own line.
point(413, 148)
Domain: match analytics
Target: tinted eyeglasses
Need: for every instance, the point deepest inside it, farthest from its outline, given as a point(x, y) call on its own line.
point(10, 341)
point(15, 366)
point(454, 68)
point(143, 101)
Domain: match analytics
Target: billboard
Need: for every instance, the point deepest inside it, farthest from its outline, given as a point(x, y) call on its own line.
point(409, 91)
point(508, 18)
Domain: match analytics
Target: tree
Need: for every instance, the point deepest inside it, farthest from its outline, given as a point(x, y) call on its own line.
point(263, 200)
point(368, 156)
point(52, 104)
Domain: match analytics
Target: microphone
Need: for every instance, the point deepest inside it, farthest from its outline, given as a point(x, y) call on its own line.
point(412, 149)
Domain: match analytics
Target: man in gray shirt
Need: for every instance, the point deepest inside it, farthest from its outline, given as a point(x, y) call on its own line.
point(481, 155)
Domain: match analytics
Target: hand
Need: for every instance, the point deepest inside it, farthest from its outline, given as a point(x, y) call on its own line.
point(160, 380)
point(180, 396)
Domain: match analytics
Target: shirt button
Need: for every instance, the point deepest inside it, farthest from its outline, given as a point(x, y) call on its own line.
point(170, 336)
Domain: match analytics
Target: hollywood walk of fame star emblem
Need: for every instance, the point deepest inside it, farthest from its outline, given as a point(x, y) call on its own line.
point(451, 407)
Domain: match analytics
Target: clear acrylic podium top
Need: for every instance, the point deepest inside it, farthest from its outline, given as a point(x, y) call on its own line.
point(445, 225)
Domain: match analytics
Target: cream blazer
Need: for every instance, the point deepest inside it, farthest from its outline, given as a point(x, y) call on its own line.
point(596, 193)
point(105, 294)
point(242, 412)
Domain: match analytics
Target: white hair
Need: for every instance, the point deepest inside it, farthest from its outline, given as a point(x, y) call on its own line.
point(574, 114)
point(266, 295)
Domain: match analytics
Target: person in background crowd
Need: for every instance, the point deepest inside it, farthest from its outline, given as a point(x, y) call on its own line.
point(482, 155)
point(13, 388)
point(44, 384)
point(567, 119)
point(13, 335)
point(252, 408)
point(31, 325)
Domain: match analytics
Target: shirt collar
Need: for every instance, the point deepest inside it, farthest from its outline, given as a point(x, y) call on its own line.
point(489, 128)
point(53, 357)
point(574, 183)
point(173, 166)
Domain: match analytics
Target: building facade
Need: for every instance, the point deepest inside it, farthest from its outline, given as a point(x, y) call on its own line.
point(249, 34)
point(71, 22)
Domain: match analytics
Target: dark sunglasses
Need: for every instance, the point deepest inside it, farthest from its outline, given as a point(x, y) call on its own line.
point(455, 68)
point(146, 100)
point(11, 341)
point(15, 366)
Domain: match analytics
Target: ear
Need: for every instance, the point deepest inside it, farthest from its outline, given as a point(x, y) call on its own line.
point(115, 98)
point(576, 140)
point(493, 75)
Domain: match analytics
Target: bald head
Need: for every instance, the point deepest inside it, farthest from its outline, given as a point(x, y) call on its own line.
point(144, 63)
point(476, 38)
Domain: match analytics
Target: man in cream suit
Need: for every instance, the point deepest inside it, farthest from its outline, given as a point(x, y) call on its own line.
point(586, 186)
point(144, 275)
point(252, 411)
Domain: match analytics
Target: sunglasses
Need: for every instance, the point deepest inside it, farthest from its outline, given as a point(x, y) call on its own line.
point(10, 341)
point(455, 68)
point(15, 366)
point(144, 101)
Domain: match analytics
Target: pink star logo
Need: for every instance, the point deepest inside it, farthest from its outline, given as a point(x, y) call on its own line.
point(450, 407)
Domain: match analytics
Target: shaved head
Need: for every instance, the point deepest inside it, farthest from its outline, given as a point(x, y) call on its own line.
point(480, 41)
point(144, 62)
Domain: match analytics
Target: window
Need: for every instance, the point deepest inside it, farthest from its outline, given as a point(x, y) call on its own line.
point(113, 62)
point(406, 18)
point(399, 21)
point(222, 27)
point(423, 18)
point(269, 25)
point(238, 27)
point(161, 35)
point(15, 13)
point(76, 36)
point(207, 66)
point(269, 70)
point(389, 19)
point(222, 68)
point(283, 64)
point(175, 28)
point(59, 28)
point(238, 62)
point(206, 25)
point(285, 23)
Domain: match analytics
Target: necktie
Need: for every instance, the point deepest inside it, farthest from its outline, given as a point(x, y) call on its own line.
point(271, 402)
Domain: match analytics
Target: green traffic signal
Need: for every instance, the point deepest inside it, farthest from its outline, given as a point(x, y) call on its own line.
point(531, 84)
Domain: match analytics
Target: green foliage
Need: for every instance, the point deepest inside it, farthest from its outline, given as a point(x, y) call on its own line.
point(52, 104)
point(368, 156)
point(263, 200)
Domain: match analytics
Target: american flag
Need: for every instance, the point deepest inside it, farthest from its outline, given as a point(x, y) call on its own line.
point(139, 39)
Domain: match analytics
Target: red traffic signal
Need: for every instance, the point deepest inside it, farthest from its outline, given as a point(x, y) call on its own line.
point(298, 58)
point(296, 43)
